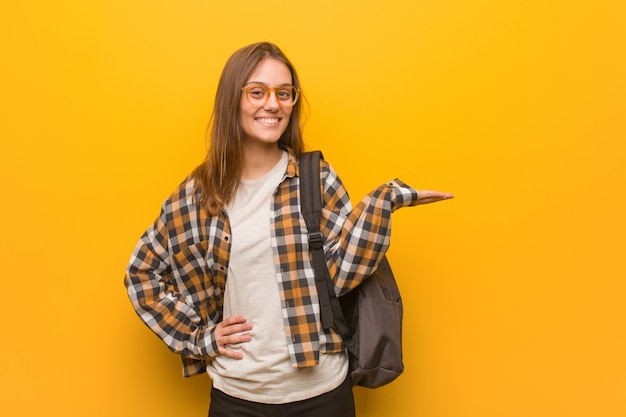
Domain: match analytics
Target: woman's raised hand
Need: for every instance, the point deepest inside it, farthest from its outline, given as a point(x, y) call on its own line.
point(427, 196)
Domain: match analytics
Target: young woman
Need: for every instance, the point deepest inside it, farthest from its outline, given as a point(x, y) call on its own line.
point(224, 276)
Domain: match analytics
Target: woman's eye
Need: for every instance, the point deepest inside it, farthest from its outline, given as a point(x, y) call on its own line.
point(257, 92)
point(284, 94)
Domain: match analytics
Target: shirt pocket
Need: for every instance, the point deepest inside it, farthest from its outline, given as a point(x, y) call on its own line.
point(192, 277)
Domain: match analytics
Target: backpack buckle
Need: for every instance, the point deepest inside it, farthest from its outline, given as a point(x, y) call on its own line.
point(315, 240)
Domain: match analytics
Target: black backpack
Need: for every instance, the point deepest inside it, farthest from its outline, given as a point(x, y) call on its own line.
point(368, 318)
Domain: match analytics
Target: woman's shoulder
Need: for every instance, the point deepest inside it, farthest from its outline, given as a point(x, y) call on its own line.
point(185, 195)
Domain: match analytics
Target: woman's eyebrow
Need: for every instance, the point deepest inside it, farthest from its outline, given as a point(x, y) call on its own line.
point(262, 83)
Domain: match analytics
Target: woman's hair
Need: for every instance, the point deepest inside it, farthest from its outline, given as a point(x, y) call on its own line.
point(218, 177)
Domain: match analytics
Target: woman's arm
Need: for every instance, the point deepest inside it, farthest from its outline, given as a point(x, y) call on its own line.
point(357, 239)
point(156, 300)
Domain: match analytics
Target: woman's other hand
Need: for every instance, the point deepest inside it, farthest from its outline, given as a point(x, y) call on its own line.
point(231, 331)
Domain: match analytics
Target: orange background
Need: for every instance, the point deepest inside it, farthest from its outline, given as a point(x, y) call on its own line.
point(514, 291)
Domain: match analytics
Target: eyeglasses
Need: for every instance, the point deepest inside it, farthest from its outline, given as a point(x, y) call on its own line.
point(259, 94)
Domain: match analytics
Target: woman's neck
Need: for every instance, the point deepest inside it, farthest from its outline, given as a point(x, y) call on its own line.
point(259, 159)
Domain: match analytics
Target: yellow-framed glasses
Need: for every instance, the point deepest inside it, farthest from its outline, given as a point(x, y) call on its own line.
point(259, 94)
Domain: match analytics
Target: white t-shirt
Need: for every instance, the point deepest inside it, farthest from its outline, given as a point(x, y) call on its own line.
point(265, 373)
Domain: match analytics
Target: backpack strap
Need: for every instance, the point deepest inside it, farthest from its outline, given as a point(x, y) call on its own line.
point(311, 207)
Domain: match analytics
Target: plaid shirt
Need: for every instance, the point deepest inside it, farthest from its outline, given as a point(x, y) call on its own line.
point(177, 273)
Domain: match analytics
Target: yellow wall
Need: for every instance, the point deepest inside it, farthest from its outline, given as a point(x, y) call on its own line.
point(513, 291)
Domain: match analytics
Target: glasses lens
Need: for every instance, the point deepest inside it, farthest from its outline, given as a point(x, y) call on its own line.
point(286, 95)
point(257, 94)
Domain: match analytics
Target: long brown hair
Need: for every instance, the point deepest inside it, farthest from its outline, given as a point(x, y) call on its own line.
point(219, 175)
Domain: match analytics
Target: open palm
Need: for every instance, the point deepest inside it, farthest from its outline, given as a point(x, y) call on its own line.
point(427, 196)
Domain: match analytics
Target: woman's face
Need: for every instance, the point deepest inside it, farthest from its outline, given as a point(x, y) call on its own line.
point(266, 123)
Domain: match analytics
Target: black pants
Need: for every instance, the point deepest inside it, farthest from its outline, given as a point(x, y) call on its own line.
point(336, 403)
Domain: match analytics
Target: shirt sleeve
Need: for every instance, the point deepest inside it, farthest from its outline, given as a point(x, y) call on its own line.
point(357, 239)
point(158, 302)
